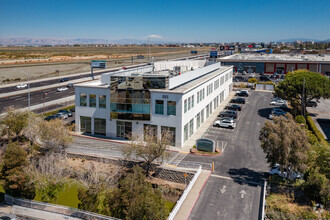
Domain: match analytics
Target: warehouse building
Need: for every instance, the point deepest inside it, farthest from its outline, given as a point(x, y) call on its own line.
point(175, 96)
point(277, 63)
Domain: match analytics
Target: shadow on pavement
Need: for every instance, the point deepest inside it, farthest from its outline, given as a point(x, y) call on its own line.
point(264, 112)
point(325, 126)
point(247, 176)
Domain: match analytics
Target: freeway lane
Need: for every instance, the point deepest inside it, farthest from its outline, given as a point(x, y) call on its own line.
point(234, 189)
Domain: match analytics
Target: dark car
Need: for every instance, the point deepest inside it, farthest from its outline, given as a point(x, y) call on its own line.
point(65, 111)
point(228, 113)
point(70, 85)
point(73, 109)
point(239, 79)
point(51, 117)
point(238, 100)
point(234, 107)
point(64, 79)
point(242, 93)
point(282, 76)
point(264, 78)
point(311, 104)
point(284, 108)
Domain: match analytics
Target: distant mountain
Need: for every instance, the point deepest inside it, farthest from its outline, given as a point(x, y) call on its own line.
point(39, 42)
point(297, 39)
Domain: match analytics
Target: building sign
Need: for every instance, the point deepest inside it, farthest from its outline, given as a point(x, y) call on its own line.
point(99, 64)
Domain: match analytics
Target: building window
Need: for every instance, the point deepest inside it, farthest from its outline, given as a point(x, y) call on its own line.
point(185, 105)
point(92, 101)
point(189, 103)
point(191, 127)
point(83, 99)
point(169, 134)
point(159, 107)
point(171, 107)
point(99, 126)
point(203, 94)
point(211, 107)
point(192, 101)
point(185, 132)
point(198, 120)
point(102, 101)
point(85, 124)
point(197, 97)
point(207, 110)
point(202, 116)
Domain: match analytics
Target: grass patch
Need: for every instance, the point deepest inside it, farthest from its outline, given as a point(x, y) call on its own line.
point(313, 128)
point(169, 205)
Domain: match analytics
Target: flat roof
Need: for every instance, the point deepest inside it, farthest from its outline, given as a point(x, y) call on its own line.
point(195, 82)
point(248, 57)
point(93, 84)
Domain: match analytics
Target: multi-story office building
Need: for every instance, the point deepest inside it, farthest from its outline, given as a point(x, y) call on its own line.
point(177, 96)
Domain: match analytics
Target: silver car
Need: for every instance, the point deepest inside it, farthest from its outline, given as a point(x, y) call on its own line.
point(224, 124)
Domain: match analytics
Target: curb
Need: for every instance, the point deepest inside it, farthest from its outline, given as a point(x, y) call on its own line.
point(199, 194)
point(205, 155)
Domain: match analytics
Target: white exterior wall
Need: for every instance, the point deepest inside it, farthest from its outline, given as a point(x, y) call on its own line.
point(91, 111)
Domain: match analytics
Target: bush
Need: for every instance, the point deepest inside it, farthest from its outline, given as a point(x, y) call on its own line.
point(317, 187)
point(252, 80)
point(267, 83)
point(300, 119)
point(314, 129)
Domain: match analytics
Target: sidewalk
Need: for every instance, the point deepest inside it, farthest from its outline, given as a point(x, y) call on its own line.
point(193, 195)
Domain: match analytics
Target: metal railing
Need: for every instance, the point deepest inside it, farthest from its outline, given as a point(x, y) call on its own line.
point(58, 209)
point(184, 195)
point(264, 201)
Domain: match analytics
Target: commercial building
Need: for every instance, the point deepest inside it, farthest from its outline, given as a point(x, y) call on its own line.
point(277, 63)
point(175, 96)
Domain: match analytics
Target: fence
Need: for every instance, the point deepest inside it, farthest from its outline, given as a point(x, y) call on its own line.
point(184, 195)
point(58, 209)
point(53, 107)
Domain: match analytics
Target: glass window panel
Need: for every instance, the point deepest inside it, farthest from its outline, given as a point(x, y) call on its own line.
point(171, 107)
point(100, 126)
point(83, 99)
point(85, 124)
point(159, 107)
point(92, 100)
point(102, 101)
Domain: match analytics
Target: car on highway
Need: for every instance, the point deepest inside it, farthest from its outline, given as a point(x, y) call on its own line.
point(279, 103)
point(65, 111)
point(311, 104)
point(61, 115)
point(228, 113)
point(275, 170)
point(224, 123)
point(238, 100)
point(64, 80)
point(234, 107)
point(61, 89)
point(21, 86)
point(70, 85)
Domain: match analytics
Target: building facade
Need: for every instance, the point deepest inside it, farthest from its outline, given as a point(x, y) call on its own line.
point(127, 103)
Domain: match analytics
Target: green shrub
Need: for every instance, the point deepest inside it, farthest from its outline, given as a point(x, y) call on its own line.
point(300, 119)
point(314, 129)
point(317, 186)
point(252, 80)
point(267, 83)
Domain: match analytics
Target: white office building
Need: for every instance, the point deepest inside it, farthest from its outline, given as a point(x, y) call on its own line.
point(177, 96)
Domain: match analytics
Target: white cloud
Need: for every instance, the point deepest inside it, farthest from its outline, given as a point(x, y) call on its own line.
point(154, 36)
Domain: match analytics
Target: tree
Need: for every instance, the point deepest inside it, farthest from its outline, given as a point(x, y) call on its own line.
point(252, 80)
point(135, 199)
point(285, 143)
point(302, 86)
point(55, 136)
point(150, 149)
point(13, 122)
point(14, 179)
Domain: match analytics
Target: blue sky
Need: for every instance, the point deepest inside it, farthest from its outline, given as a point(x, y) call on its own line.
point(173, 20)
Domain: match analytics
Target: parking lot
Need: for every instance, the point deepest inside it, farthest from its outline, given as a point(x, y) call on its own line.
point(240, 169)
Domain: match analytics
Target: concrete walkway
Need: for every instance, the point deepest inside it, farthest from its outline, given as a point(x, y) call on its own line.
point(193, 195)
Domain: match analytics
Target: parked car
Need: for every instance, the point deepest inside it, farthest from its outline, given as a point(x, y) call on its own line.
point(64, 80)
point(243, 93)
point(224, 123)
point(238, 100)
point(282, 76)
point(21, 86)
point(65, 111)
point(51, 117)
point(228, 113)
point(283, 107)
point(239, 79)
point(73, 109)
point(265, 78)
point(228, 119)
point(311, 104)
point(234, 107)
point(61, 89)
point(275, 170)
point(61, 115)
point(70, 85)
point(277, 113)
point(279, 103)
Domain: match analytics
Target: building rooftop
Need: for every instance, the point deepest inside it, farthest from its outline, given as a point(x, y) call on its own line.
point(277, 57)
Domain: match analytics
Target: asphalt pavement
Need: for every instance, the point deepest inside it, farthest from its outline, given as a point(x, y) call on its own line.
point(233, 191)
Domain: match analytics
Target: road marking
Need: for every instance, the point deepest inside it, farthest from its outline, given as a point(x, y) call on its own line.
point(242, 193)
point(237, 180)
point(223, 189)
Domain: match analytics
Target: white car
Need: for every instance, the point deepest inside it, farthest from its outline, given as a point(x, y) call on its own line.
point(21, 86)
point(224, 123)
point(275, 170)
point(279, 103)
point(61, 89)
point(61, 116)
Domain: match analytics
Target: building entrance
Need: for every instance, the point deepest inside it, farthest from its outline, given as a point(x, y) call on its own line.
point(124, 129)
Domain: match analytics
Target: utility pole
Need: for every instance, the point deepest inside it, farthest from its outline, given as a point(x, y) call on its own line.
point(303, 109)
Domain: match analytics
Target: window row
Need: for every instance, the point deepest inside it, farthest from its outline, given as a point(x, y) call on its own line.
point(102, 100)
point(99, 125)
point(216, 84)
point(209, 89)
point(159, 107)
point(200, 95)
point(189, 103)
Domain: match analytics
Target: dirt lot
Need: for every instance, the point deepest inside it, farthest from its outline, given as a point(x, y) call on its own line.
point(40, 62)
